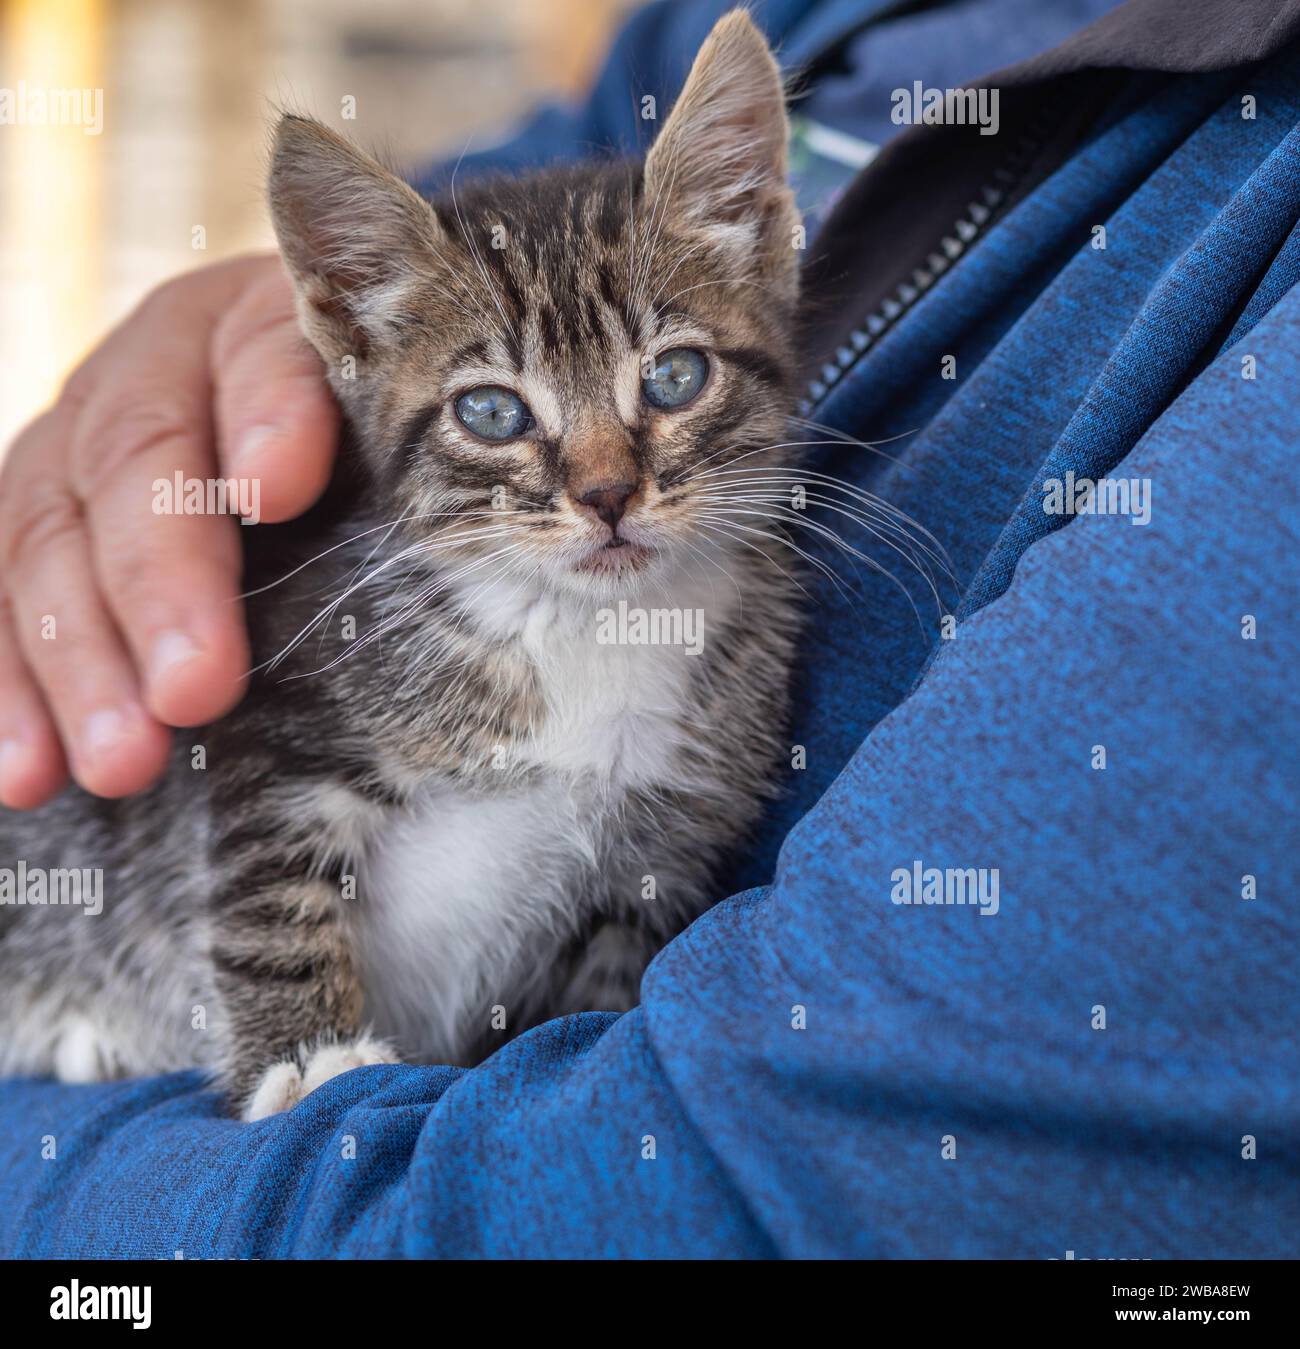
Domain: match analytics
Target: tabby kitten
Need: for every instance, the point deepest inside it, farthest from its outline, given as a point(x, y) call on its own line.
point(457, 800)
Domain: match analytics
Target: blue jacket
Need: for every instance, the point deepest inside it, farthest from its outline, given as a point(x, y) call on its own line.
point(1105, 730)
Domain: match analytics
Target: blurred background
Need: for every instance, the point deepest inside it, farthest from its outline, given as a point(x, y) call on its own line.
point(156, 159)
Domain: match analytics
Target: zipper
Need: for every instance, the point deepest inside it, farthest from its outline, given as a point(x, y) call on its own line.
point(970, 226)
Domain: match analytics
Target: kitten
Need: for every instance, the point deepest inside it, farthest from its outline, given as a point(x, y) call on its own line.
point(458, 800)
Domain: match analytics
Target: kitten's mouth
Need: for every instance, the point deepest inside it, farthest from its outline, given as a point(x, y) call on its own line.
point(618, 555)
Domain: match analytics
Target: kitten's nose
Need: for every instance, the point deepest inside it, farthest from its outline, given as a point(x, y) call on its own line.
point(609, 502)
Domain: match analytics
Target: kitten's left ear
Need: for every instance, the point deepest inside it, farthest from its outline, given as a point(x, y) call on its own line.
point(720, 161)
point(349, 231)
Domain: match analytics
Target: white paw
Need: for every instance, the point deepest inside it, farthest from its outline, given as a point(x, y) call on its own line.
point(331, 1060)
point(284, 1084)
point(280, 1089)
point(84, 1052)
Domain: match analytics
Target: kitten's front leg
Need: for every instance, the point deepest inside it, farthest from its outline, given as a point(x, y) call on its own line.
point(605, 975)
point(284, 971)
point(647, 891)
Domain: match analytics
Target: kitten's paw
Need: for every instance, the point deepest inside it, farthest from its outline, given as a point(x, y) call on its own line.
point(331, 1060)
point(279, 1090)
point(84, 1052)
point(284, 1084)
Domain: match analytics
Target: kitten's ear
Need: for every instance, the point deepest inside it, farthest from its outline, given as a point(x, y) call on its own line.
point(350, 233)
point(720, 160)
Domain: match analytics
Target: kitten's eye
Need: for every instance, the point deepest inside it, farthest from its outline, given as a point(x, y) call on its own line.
point(493, 413)
point(677, 377)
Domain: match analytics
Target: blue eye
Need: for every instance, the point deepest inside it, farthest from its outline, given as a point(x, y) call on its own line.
point(493, 413)
point(677, 377)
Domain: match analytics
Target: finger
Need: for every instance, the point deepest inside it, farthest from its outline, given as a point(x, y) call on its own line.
point(73, 652)
point(142, 460)
point(32, 766)
point(147, 412)
point(277, 422)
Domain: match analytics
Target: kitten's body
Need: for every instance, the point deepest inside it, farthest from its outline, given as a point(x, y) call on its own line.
point(446, 808)
point(500, 833)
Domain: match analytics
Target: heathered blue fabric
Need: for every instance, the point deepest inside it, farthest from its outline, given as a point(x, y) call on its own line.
point(942, 46)
point(1120, 887)
point(945, 47)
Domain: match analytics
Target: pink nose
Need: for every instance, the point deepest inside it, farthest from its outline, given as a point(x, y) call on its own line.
point(609, 502)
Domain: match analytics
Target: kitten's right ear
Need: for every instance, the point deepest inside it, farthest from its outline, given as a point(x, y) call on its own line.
point(349, 231)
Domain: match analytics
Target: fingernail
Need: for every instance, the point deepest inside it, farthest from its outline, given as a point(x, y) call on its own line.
point(11, 757)
point(172, 650)
point(250, 453)
point(103, 732)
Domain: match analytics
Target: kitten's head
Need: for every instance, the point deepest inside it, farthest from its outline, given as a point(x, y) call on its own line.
point(539, 369)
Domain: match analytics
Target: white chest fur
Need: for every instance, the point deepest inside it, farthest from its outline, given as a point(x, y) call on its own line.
point(457, 893)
